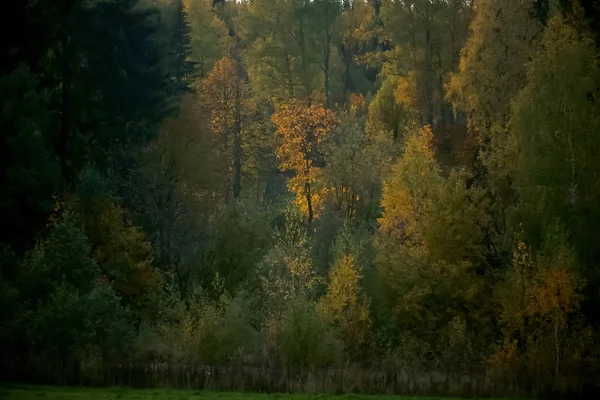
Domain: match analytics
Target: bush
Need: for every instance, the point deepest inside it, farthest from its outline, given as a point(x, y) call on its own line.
point(304, 337)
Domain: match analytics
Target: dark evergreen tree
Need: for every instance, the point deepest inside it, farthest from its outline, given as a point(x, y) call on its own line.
point(184, 69)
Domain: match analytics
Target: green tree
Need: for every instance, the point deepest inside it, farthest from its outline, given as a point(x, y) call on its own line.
point(184, 69)
point(70, 311)
point(556, 139)
point(356, 163)
point(30, 172)
point(209, 34)
point(386, 113)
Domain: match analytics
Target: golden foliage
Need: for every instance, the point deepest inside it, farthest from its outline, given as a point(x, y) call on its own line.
point(407, 91)
point(301, 131)
point(357, 102)
point(358, 29)
point(407, 195)
point(218, 93)
point(555, 292)
point(492, 64)
point(121, 249)
point(343, 302)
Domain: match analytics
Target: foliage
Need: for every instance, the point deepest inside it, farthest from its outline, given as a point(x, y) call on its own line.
point(301, 131)
point(73, 311)
point(385, 113)
point(199, 330)
point(296, 188)
point(304, 336)
point(407, 196)
point(557, 140)
point(356, 163)
point(344, 305)
point(287, 269)
point(492, 66)
point(240, 238)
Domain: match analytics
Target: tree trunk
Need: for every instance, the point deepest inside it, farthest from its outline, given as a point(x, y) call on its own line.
point(327, 80)
point(237, 142)
point(557, 347)
point(307, 191)
point(327, 55)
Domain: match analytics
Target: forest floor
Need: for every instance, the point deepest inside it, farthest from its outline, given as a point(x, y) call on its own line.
point(23, 392)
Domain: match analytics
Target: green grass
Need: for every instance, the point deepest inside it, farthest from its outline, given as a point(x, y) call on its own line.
point(23, 392)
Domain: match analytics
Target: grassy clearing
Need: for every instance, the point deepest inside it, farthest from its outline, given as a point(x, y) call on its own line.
point(75, 393)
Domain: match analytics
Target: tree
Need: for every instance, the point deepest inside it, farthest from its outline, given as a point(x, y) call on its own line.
point(356, 163)
point(181, 48)
point(355, 44)
point(345, 305)
point(491, 72)
point(287, 269)
point(70, 311)
point(301, 130)
point(281, 57)
point(492, 68)
point(556, 139)
point(326, 14)
point(121, 250)
point(30, 171)
point(226, 96)
point(407, 195)
point(209, 36)
point(240, 237)
point(104, 79)
point(539, 299)
point(430, 243)
point(304, 337)
point(385, 113)
point(179, 187)
point(556, 166)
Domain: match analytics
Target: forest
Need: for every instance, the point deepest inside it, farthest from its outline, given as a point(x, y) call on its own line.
point(396, 196)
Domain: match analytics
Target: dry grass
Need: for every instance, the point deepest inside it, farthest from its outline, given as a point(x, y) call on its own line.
point(23, 392)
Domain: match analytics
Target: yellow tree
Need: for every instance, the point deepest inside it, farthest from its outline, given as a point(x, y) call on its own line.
point(121, 249)
point(537, 299)
point(429, 246)
point(225, 95)
point(345, 305)
point(491, 72)
point(556, 297)
point(407, 195)
point(492, 66)
point(301, 130)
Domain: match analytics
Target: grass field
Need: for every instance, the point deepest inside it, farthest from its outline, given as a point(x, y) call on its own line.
point(21, 392)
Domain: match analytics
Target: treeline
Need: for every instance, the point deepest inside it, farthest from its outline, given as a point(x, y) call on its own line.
point(302, 186)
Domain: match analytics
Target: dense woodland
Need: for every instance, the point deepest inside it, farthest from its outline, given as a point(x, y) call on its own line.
point(302, 185)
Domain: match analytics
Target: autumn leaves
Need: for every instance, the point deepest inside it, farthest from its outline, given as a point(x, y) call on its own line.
point(301, 132)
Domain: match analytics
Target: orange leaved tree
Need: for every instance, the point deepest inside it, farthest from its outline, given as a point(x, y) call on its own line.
point(301, 130)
